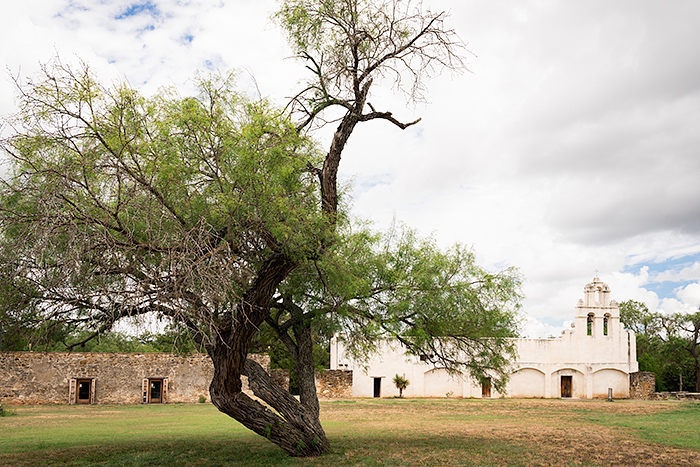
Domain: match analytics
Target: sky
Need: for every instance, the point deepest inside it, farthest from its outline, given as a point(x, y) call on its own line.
point(570, 148)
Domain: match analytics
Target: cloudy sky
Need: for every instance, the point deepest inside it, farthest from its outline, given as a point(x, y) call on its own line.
point(572, 145)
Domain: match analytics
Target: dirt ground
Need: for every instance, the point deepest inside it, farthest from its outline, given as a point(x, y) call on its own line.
point(540, 432)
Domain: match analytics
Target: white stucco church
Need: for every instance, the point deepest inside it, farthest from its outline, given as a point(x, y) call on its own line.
point(595, 356)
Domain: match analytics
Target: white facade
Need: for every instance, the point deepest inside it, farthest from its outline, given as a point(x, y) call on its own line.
point(596, 355)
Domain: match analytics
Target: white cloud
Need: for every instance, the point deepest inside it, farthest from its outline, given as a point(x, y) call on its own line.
point(672, 305)
point(572, 147)
point(690, 295)
point(536, 329)
point(686, 274)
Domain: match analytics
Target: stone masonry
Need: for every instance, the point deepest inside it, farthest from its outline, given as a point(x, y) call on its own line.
point(642, 385)
point(30, 378)
point(334, 384)
point(118, 378)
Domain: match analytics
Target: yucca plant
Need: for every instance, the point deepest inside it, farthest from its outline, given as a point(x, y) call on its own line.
point(401, 383)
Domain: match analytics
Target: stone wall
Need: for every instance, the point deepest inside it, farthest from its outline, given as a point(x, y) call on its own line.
point(330, 384)
point(334, 384)
point(45, 377)
point(676, 395)
point(642, 385)
point(119, 378)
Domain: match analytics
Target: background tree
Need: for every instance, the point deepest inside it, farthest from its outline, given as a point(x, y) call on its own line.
point(667, 345)
point(218, 213)
point(683, 330)
point(636, 316)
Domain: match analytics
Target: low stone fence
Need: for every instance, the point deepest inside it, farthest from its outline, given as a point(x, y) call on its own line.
point(677, 395)
point(330, 384)
point(643, 386)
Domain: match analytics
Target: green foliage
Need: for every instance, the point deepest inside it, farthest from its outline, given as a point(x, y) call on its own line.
point(5, 412)
point(121, 205)
point(637, 317)
point(66, 340)
point(401, 383)
point(398, 285)
point(665, 345)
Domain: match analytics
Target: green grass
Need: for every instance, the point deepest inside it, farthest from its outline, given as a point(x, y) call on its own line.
point(679, 427)
point(362, 432)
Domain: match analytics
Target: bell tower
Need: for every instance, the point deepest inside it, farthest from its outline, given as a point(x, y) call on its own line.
point(596, 315)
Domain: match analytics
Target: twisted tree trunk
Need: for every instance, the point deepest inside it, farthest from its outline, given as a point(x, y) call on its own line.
point(290, 425)
point(285, 421)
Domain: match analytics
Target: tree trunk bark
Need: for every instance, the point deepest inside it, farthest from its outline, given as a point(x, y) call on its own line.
point(329, 173)
point(304, 364)
point(291, 425)
point(295, 427)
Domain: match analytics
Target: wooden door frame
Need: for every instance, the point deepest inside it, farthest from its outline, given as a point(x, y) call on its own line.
point(146, 387)
point(74, 391)
point(570, 391)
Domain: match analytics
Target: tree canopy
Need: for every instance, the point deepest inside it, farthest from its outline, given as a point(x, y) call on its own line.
point(220, 213)
point(120, 205)
point(667, 345)
point(437, 302)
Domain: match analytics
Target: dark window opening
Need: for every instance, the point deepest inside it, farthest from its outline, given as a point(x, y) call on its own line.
point(377, 387)
point(589, 324)
point(84, 390)
point(605, 326)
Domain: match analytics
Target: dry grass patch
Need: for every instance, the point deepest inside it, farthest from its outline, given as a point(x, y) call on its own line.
point(532, 431)
point(365, 432)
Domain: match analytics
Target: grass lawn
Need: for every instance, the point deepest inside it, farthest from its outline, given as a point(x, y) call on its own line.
point(527, 432)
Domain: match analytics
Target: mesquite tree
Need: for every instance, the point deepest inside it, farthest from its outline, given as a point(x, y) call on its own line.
point(194, 209)
point(220, 213)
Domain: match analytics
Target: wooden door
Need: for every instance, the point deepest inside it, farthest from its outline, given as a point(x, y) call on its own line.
point(155, 391)
point(486, 388)
point(566, 386)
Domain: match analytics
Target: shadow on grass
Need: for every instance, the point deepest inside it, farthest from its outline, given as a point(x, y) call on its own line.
point(382, 449)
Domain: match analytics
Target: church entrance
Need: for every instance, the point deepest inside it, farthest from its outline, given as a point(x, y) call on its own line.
point(566, 386)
